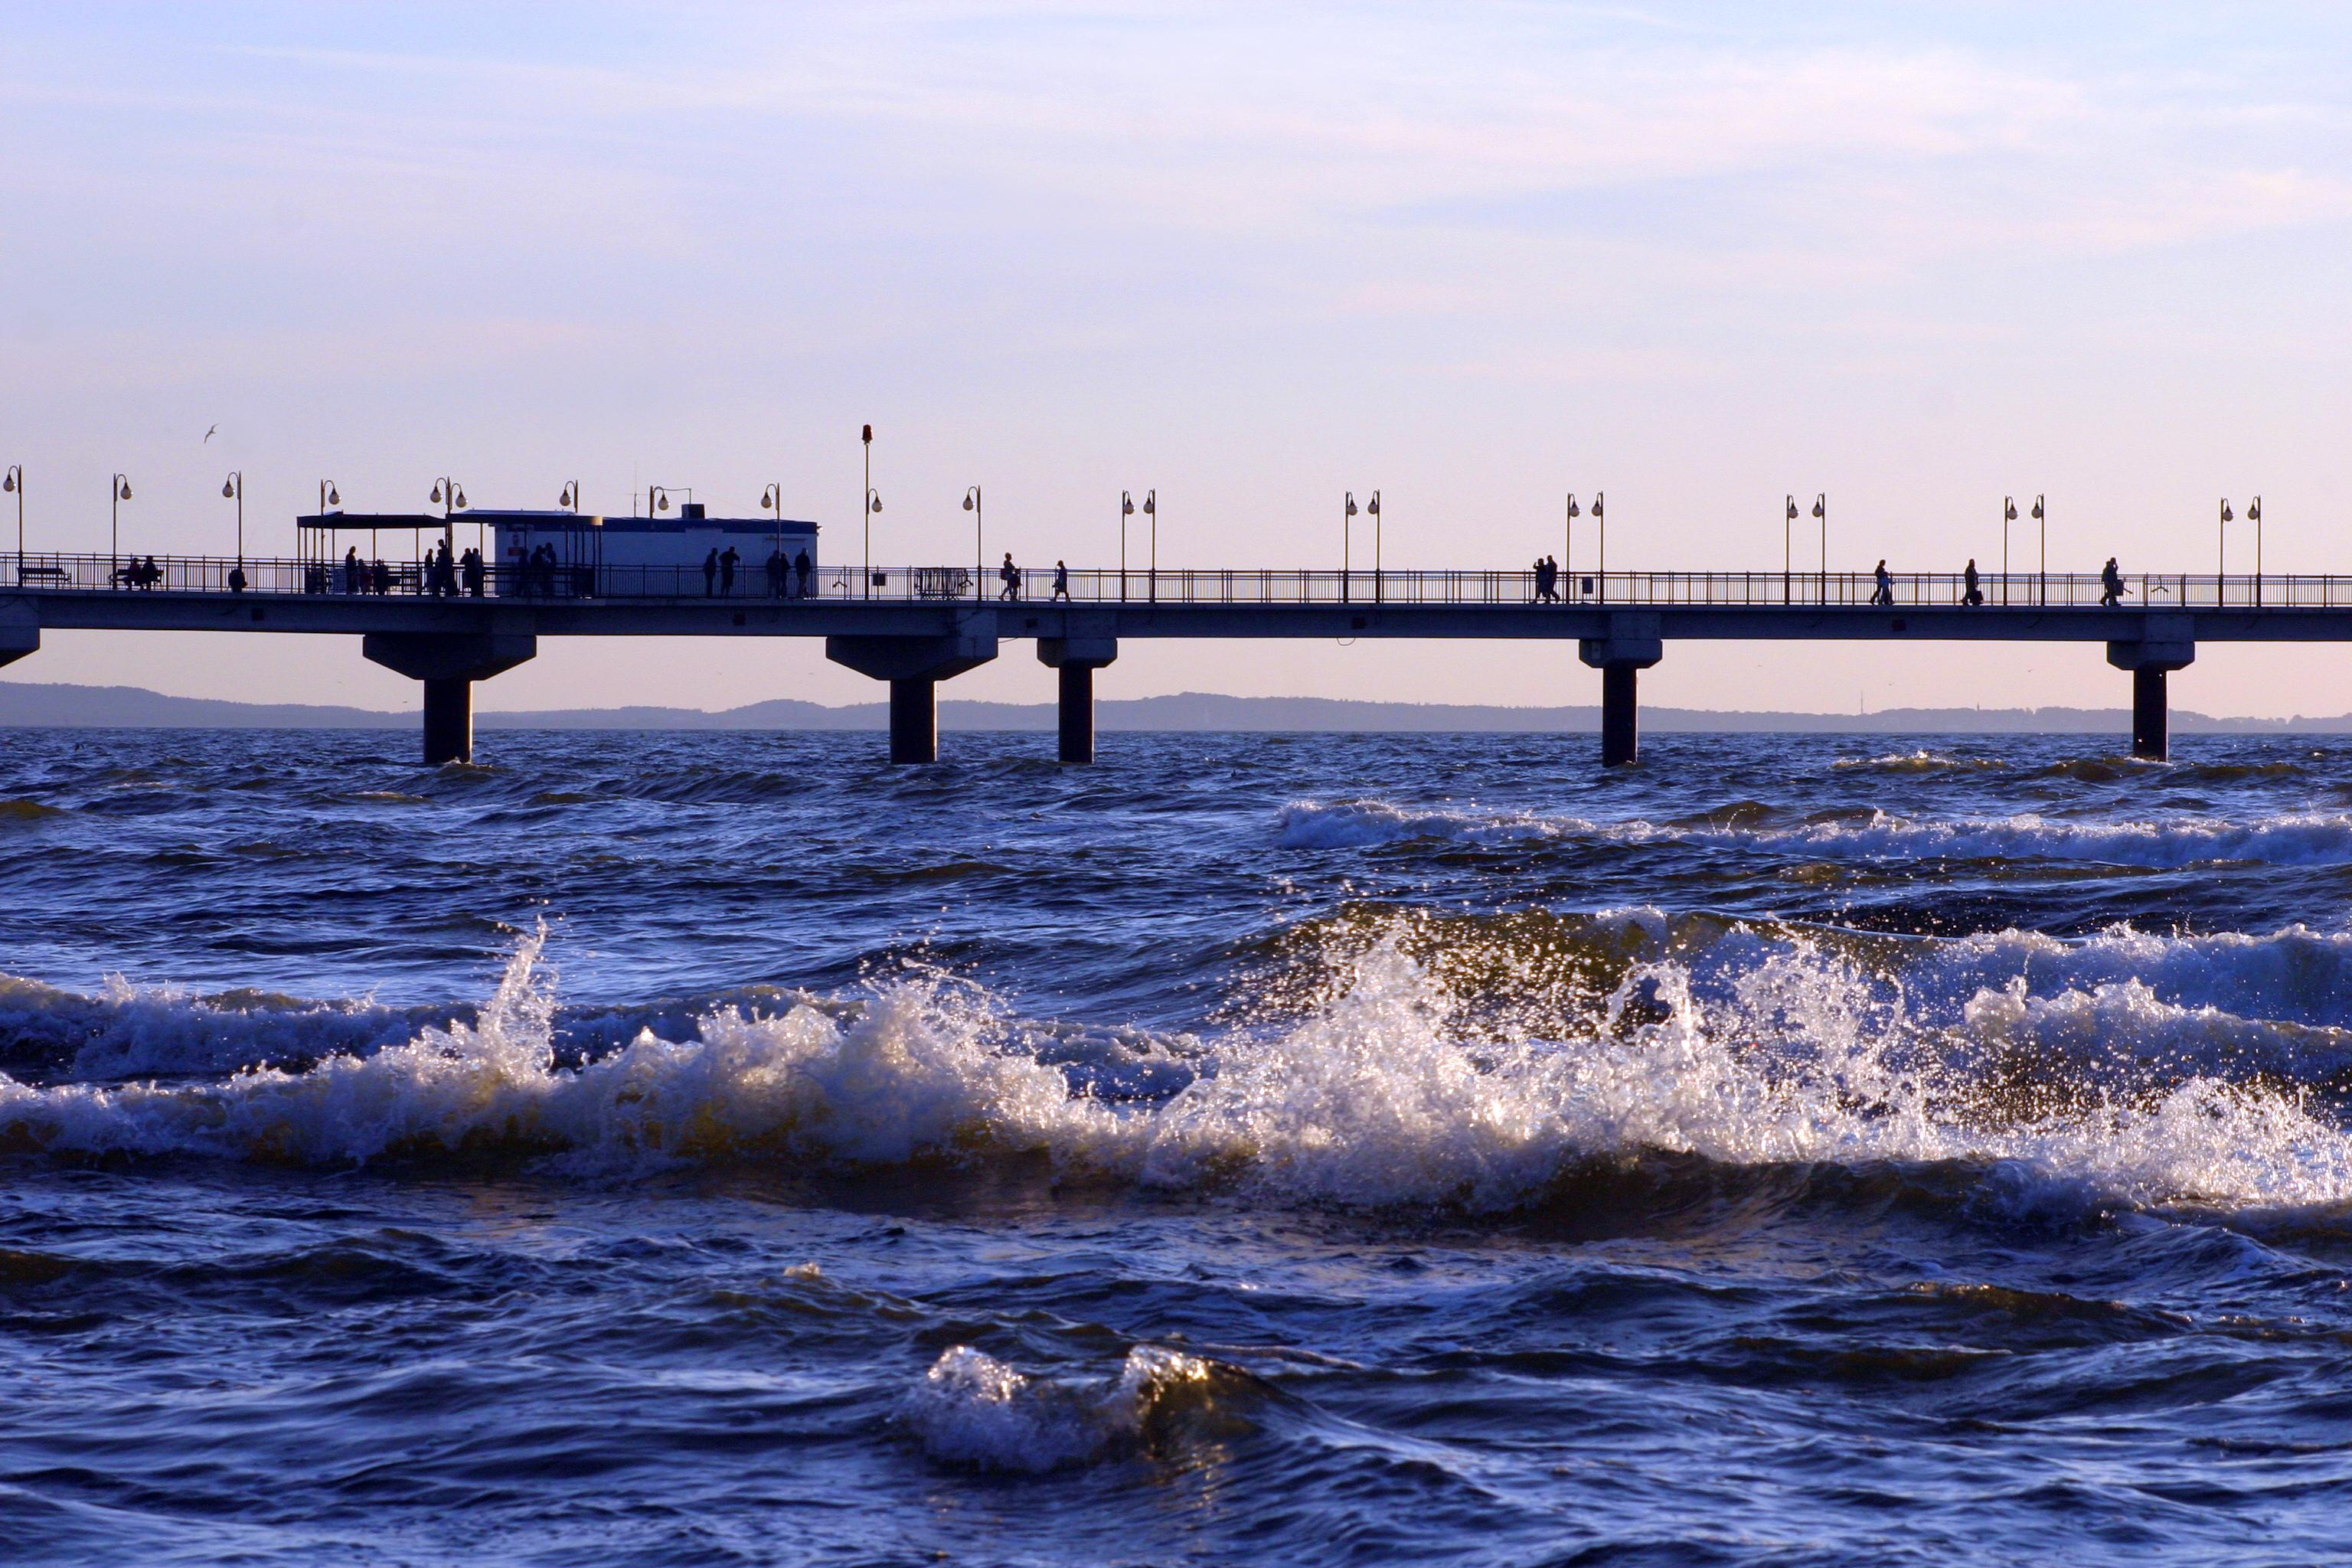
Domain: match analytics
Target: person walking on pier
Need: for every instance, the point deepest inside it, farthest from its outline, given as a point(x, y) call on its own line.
point(727, 564)
point(1061, 581)
point(1010, 576)
point(801, 565)
point(1971, 594)
point(1885, 592)
point(2111, 585)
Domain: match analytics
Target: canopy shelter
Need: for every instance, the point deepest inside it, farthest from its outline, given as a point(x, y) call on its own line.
point(324, 536)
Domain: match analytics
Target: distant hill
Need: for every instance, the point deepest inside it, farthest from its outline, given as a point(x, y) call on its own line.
point(43, 705)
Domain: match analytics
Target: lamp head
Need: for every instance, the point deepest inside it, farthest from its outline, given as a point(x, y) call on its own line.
point(874, 500)
point(1596, 503)
point(436, 496)
point(2037, 507)
point(2008, 510)
point(867, 435)
point(2254, 509)
point(457, 498)
point(566, 498)
point(2227, 515)
point(1792, 508)
point(1822, 506)
point(1127, 504)
point(1351, 503)
point(967, 500)
point(1151, 504)
point(228, 488)
point(9, 483)
point(125, 491)
point(335, 496)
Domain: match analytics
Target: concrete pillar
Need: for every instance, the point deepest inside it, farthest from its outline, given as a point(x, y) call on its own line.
point(915, 720)
point(448, 664)
point(1620, 725)
point(2149, 716)
point(1077, 659)
point(1633, 645)
point(448, 722)
point(2165, 642)
point(20, 634)
point(914, 665)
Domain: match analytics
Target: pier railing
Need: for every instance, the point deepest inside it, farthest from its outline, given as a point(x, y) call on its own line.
point(130, 574)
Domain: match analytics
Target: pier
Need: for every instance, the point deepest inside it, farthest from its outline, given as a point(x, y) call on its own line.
point(914, 628)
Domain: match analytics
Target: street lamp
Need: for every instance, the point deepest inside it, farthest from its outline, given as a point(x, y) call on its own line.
point(569, 499)
point(117, 494)
point(872, 504)
point(972, 503)
point(1788, 561)
point(233, 489)
point(451, 495)
point(2254, 516)
point(1601, 525)
point(1372, 510)
point(1822, 510)
point(13, 483)
point(1568, 537)
point(1126, 511)
point(1152, 510)
point(2221, 550)
point(2008, 516)
point(1346, 528)
point(2042, 593)
point(773, 499)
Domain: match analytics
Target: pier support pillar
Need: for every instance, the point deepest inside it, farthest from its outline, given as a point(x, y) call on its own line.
point(1632, 645)
point(1077, 659)
point(448, 663)
point(914, 665)
point(20, 634)
point(2164, 644)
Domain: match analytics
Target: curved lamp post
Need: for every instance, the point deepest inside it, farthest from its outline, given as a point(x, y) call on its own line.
point(117, 493)
point(972, 503)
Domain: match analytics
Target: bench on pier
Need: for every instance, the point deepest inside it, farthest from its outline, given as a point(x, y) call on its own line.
point(57, 575)
point(942, 582)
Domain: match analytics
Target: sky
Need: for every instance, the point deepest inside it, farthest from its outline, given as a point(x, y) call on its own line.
point(1475, 256)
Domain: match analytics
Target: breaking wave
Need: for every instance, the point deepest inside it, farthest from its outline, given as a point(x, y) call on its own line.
point(974, 1411)
point(2109, 1067)
point(2296, 839)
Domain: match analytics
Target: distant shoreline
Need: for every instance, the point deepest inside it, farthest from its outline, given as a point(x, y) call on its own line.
point(41, 705)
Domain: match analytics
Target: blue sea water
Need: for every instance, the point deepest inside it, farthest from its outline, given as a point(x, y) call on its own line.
point(693, 1149)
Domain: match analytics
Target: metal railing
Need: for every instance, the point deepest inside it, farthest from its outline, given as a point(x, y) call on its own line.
point(1237, 585)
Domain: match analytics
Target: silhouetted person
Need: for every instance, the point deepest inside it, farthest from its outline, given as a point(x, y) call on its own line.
point(380, 578)
point(2111, 585)
point(1971, 593)
point(1010, 576)
point(150, 574)
point(801, 565)
point(779, 574)
point(710, 574)
point(236, 578)
point(727, 564)
point(471, 565)
point(1061, 581)
point(1885, 592)
point(353, 570)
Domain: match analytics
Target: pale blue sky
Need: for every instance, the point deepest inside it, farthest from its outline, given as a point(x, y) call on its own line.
point(1699, 255)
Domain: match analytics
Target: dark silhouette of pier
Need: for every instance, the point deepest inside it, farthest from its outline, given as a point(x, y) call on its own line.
point(916, 626)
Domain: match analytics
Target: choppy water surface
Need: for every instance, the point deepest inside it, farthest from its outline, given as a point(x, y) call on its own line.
point(703, 1149)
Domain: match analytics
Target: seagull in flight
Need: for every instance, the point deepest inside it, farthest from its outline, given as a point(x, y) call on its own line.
point(208, 434)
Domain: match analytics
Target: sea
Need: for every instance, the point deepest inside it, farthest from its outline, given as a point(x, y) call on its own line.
point(715, 1149)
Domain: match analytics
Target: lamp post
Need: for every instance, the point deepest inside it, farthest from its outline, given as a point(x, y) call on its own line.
point(773, 499)
point(1788, 559)
point(2221, 551)
point(2254, 516)
point(2042, 594)
point(2008, 516)
point(1151, 576)
point(1822, 510)
point(1347, 529)
point(330, 500)
point(119, 492)
point(1567, 538)
point(972, 503)
point(233, 488)
point(1372, 511)
point(867, 508)
point(569, 499)
point(13, 483)
point(1601, 527)
point(452, 497)
point(1126, 511)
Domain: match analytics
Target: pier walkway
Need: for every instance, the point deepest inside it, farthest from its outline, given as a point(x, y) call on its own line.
point(916, 626)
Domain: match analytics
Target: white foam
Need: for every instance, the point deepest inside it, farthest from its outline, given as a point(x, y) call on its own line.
point(1383, 1092)
point(971, 1409)
point(2295, 839)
